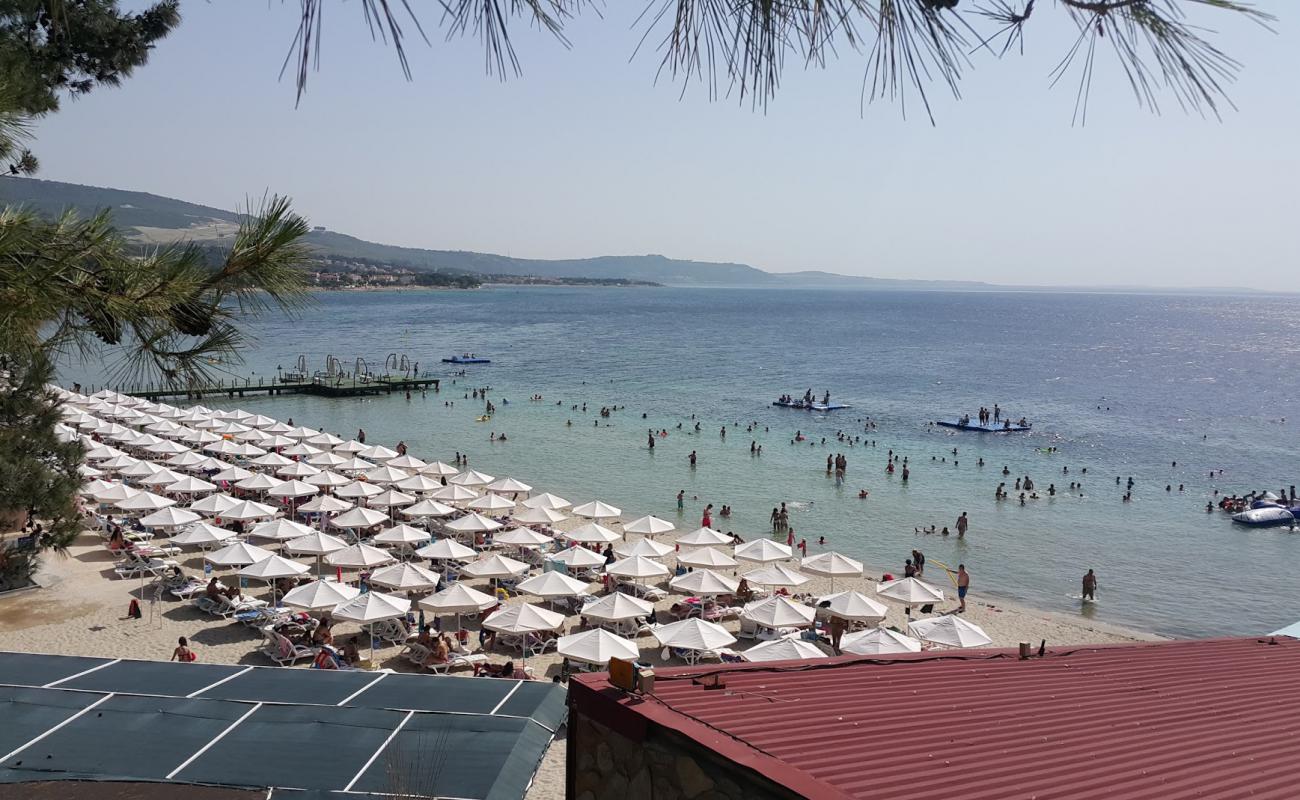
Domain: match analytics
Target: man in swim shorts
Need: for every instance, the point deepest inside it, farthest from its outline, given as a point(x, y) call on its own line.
point(963, 586)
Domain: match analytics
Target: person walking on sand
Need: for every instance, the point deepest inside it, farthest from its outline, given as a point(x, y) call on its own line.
point(962, 523)
point(1090, 586)
point(963, 586)
point(837, 632)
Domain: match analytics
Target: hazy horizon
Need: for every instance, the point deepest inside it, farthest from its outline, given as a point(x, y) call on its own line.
point(585, 156)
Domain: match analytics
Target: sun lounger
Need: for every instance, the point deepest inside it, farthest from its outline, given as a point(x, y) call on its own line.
point(283, 652)
point(135, 567)
point(392, 631)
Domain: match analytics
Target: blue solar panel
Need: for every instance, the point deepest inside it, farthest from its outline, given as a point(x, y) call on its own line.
point(27, 713)
point(170, 678)
point(33, 669)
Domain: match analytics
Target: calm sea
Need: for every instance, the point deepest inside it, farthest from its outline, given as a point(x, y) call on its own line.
point(1122, 385)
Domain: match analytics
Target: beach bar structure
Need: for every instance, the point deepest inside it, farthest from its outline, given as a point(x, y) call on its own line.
point(1169, 720)
point(123, 725)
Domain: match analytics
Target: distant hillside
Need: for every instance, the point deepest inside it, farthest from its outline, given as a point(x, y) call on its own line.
point(152, 218)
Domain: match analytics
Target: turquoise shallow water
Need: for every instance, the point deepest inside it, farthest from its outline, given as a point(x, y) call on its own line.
point(1120, 384)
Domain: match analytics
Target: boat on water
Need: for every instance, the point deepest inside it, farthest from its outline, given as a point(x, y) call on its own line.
point(468, 358)
point(1006, 426)
point(1266, 516)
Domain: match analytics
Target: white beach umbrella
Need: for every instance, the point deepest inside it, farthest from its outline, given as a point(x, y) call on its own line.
point(777, 575)
point(255, 436)
point(785, 649)
point(649, 526)
point(186, 459)
point(853, 605)
point(705, 537)
point(490, 502)
point(89, 488)
point(162, 477)
point(115, 493)
point(273, 568)
point(377, 452)
point(950, 630)
point(359, 556)
point(315, 544)
point(446, 550)
point(324, 504)
point(547, 500)
point(118, 462)
point(359, 489)
point(198, 437)
point(201, 534)
point(495, 567)
point(370, 608)
point(637, 568)
point(295, 489)
point(326, 460)
point(910, 591)
point(190, 485)
point(139, 469)
point(359, 518)
point(214, 505)
point(402, 535)
point(258, 421)
point(878, 641)
point(419, 484)
point(705, 583)
point(523, 618)
point(231, 474)
point(248, 451)
point(438, 469)
point(323, 440)
point(248, 510)
point(508, 486)
point(643, 547)
point(327, 480)
point(470, 478)
point(521, 537)
point(427, 508)
point(410, 463)
point(592, 533)
point(539, 516)
point(473, 523)
point(693, 634)
point(597, 510)
point(319, 595)
point(597, 646)
point(102, 453)
point(355, 465)
point(710, 557)
point(832, 565)
point(167, 448)
point(297, 469)
point(350, 447)
point(578, 558)
point(458, 599)
point(386, 475)
point(763, 551)
point(259, 483)
point(405, 577)
point(145, 501)
point(239, 554)
point(390, 498)
point(779, 611)
point(617, 607)
point(169, 519)
point(554, 584)
point(280, 530)
point(301, 432)
point(454, 494)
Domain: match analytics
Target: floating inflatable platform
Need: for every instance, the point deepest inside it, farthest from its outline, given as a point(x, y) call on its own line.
point(466, 360)
point(977, 428)
point(811, 406)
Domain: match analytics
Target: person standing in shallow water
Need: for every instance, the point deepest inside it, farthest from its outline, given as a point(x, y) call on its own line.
point(962, 523)
point(1090, 586)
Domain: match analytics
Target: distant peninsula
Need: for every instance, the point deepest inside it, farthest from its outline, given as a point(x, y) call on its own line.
point(348, 262)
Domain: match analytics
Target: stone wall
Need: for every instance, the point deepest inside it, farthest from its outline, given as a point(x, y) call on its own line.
point(605, 765)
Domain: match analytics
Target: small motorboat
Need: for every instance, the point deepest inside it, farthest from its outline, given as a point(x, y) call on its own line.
point(1266, 517)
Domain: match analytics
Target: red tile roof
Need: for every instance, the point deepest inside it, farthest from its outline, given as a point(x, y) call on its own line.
point(1199, 719)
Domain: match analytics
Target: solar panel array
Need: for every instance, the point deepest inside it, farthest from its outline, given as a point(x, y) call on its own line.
point(68, 717)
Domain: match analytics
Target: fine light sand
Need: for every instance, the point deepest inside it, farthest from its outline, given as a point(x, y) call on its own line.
point(81, 610)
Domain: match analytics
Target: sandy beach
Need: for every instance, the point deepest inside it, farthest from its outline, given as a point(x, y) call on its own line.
point(81, 609)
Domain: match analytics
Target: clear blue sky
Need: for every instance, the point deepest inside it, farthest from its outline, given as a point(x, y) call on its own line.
point(585, 155)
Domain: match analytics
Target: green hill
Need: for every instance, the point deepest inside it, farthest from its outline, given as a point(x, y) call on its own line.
point(153, 218)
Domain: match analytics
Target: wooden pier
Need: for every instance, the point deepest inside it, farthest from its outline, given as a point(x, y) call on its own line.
point(321, 385)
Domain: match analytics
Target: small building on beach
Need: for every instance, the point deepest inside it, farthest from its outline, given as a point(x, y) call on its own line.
point(1171, 720)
